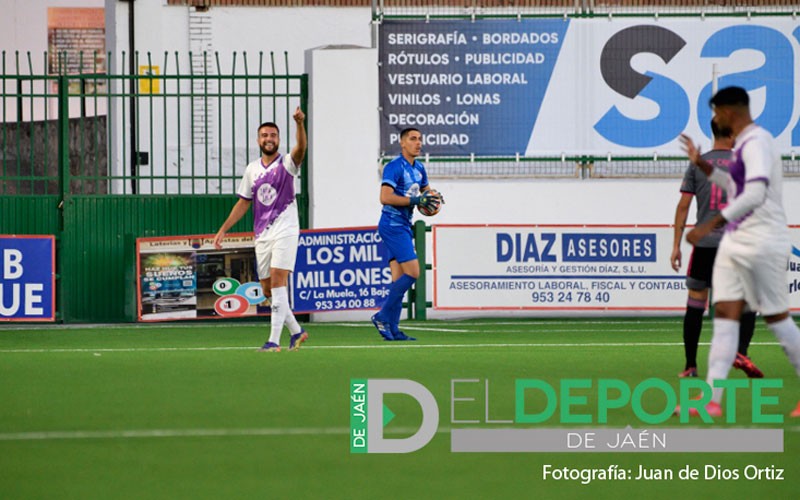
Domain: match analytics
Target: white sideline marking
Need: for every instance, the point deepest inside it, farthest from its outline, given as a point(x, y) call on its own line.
point(167, 433)
point(388, 345)
point(396, 345)
point(464, 323)
point(180, 433)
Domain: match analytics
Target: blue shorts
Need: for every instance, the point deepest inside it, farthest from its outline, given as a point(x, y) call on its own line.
point(399, 241)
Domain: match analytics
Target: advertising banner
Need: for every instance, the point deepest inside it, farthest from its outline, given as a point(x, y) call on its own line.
point(547, 87)
point(185, 277)
point(466, 84)
point(565, 268)
point(27, 278)
point(340, 269)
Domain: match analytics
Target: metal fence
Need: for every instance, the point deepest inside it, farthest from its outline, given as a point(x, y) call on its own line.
point(177, 124)
point(153, 147)
point(577, 167)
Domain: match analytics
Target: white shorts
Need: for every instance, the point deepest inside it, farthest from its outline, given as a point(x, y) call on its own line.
point(279, 253)
point(753, 272)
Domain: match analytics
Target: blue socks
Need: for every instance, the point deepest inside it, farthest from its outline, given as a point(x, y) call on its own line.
point(390, 312)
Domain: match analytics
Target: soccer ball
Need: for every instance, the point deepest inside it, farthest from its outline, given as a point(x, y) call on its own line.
point(428, 212)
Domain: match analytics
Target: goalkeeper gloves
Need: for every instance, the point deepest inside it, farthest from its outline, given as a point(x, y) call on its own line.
point(428, 199)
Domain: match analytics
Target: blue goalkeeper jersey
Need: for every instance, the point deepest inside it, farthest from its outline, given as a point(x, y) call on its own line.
point(406, 180)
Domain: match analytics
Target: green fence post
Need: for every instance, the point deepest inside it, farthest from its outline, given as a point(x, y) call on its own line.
point(303, 197)
point(63, 193)
point(420, 306)
point(131, 301)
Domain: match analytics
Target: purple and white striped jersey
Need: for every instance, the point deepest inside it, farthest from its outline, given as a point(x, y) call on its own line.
point(755, 159)
point(271, 189)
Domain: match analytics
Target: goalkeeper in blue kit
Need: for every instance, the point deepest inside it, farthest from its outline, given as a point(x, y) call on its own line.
point(404, 186)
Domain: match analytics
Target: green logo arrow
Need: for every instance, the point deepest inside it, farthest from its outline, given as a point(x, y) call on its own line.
point(388, 415)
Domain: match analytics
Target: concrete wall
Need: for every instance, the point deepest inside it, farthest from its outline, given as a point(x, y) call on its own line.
point(343, 128)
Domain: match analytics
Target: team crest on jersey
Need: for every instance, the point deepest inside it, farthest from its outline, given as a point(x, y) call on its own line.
point(267, 194)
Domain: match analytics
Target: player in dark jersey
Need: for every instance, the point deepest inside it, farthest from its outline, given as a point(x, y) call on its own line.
point(710, 200)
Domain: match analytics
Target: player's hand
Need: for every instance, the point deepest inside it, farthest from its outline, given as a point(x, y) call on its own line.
point(702, 230)
point(430, 200)
point(298, 115)
point(699, 232)
point(675, 259)
point(692, 151)
point(218, 240)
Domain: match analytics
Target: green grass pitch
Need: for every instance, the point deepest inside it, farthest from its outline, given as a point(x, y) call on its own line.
point(192, 410)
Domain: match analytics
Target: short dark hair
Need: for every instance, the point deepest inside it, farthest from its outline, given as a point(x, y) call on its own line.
point(270, 124)
point(720, 133)
point(406, 131)
point(730, 96)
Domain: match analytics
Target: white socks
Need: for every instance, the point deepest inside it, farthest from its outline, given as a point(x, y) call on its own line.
point(788, 335)
point(291, 323)
point(724, 344)
point(726, 340)
point(280, 306)
point(281, 315)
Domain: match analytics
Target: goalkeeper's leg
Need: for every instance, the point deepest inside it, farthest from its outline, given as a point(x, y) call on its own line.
point(399, 241)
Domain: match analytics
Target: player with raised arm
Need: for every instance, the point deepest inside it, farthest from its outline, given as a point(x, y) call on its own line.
point(751, 265)
point(710, 200)
point(268, 185)
point(404, 186)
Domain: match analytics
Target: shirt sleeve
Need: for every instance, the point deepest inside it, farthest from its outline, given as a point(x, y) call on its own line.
point(246, 186)
point(756, 158)
point(689, 184)
point(289, 165)
point(721, 178)
point(390, 175)
point(755, 192)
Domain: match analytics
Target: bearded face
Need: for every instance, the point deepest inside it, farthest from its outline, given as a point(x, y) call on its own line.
point(268, 140)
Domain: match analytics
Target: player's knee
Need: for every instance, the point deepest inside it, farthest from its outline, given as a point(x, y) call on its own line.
point(698, 294)
point(412, 271)
point(774, 318)
point(728, 310)
point(279, 277)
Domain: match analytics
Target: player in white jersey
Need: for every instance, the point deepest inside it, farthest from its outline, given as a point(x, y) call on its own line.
point(753, 255)
point(710, 200)
point(268, 185)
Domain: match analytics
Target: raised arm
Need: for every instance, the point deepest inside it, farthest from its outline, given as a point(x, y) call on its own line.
point(300, 145)
point(695, 156)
